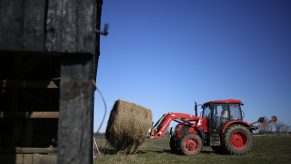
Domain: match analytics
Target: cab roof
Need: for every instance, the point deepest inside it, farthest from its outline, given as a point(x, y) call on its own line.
point(227, 101)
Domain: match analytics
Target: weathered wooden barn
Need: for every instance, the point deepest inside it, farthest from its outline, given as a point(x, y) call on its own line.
point(49, 53)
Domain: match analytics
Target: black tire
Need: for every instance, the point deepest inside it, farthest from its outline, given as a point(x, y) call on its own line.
point(237, 140)
point(191, 144)
point(174, 145)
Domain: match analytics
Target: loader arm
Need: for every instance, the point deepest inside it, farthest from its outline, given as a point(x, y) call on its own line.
point(262, 123)
point(162, 125)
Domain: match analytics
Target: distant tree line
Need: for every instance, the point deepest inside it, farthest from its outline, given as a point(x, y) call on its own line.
point(278, 127)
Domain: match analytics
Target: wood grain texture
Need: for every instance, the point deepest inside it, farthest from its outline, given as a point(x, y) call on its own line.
point(33, 34)
point(76, 111)
point(57, 26)
point(11, 23)
point(71, 26)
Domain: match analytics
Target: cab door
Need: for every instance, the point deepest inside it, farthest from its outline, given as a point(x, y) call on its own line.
point(220, 115)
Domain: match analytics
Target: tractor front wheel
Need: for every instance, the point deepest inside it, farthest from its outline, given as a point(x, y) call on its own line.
point(237, 140)
point(191, 144)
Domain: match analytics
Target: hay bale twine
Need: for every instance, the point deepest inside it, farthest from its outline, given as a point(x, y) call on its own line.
point(127, 126)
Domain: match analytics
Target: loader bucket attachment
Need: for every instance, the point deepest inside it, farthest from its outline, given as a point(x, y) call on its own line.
point(273, 120)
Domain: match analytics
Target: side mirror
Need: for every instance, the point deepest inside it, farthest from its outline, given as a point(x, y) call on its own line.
point(243, 114)
point(171, 131)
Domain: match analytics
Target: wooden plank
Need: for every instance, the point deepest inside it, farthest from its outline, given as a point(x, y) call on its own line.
point(86, 24)
point(28, 158)
point(63, 26)
point(11, 23)
point(29, 150)
point(71, 26)
point(30, 115)
point(76, 111)
point(69, 29)
point(55, 23)
point(29, 84)
point(22, 25)
point(34, 25)
point(32, 150)
point(47, 159)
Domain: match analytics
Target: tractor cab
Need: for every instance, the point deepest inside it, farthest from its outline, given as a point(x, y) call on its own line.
point(219, 115)
point(225, 110)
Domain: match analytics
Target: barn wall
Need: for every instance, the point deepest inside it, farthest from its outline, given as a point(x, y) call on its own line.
point(49, 52)
point(61, 26)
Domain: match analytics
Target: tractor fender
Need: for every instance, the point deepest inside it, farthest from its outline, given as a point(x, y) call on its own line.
point(235, 122)
point(184, 130)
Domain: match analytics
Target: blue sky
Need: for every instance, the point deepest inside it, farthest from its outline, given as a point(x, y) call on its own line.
point(165, 55)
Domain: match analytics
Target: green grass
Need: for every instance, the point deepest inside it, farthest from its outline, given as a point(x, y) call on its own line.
point(266, 149)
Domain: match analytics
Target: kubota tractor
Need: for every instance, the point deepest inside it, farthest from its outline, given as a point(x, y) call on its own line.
point(220, 126)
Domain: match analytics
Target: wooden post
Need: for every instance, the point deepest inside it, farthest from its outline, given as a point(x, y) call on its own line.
point(75, 129)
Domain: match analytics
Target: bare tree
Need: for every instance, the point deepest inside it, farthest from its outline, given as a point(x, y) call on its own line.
point(286, 128)
point(279, 127)
point(268, 128)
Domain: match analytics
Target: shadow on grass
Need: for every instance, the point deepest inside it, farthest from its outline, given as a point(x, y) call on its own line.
point(111, 151)
point(205, 150)
point(107, 151)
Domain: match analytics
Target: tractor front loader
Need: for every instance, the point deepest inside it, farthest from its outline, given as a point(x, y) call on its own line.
point(220, 125)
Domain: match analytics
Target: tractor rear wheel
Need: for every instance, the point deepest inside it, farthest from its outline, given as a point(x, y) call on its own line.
point(191, 144)
point(237, 140)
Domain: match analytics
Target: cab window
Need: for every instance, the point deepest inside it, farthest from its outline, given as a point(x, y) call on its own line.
point(235, 112)
point(206, 112)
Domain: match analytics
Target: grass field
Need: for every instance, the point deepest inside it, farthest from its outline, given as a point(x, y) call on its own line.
point(267, 149)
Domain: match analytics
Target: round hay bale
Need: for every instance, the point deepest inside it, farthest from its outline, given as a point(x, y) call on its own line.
point(127, 126)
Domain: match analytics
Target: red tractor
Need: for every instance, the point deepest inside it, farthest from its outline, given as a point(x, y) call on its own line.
point(220, 126)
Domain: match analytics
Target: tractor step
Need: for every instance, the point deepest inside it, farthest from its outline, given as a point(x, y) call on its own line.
point(215, 143)
point(215, 137)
